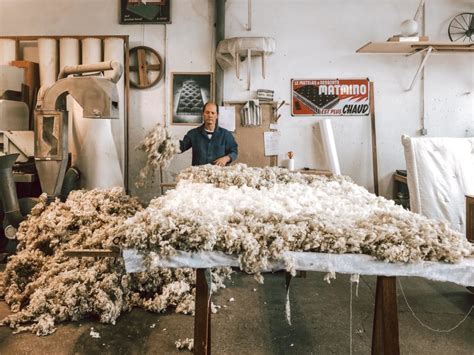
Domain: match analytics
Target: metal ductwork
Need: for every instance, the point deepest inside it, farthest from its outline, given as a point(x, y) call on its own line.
point(113, 65)
point(71, 182)
point(8, 194)
point(219, 16)
point(98, 97)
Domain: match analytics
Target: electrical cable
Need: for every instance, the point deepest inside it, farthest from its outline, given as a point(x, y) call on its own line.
point(427, 326)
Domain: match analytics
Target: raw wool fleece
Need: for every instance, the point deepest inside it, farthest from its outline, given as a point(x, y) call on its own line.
point(160, 148)
point(259, 214)
point(241, 175)
point(185, 344)
point(42, 286)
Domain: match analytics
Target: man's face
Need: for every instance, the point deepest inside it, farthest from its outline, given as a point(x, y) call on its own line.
point(210, 115)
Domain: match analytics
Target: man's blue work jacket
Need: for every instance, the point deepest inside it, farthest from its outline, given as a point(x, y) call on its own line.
point(206, 150)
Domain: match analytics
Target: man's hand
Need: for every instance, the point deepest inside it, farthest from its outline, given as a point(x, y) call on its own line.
point(222, 161)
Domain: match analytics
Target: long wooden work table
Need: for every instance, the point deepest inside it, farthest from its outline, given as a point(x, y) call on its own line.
point(385, 336)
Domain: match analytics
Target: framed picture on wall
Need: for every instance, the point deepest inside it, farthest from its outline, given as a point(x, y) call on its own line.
point(139, 11)
point(189, 93)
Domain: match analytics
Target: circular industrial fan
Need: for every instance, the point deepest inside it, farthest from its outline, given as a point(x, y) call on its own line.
point(461, 28)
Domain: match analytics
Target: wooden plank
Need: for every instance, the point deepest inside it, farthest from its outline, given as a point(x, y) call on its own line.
point(92, 252)
point(17, 48)
point(386, 47)
point(34, 38)
point(127, 113)
point(142, 68)
point(202, 317)
point(385, 338)
point(170, 185)
point(413, 47)
point(315, 172)
point(152, 67)
point(375, 164)
point(400, 178)
point(470, 218)
point(446, 47)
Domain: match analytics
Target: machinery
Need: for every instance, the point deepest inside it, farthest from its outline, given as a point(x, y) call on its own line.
point(17, 142)
point(97, 96)
point(14, 114)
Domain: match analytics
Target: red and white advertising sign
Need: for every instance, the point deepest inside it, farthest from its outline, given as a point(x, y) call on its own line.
point(330, 97)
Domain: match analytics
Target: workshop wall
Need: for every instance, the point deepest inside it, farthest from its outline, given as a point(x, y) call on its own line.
point(314, 39)
point(318, 39)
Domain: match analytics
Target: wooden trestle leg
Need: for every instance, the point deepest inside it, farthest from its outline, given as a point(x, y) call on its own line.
point(202, 317)
point(385, 329)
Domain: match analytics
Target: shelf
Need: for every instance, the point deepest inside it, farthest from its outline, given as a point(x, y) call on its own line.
point(400, 178)
point(410, 48)
point(414, 47)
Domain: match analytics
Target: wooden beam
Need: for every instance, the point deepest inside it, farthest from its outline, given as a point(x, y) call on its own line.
point(413, 47)
point(314, 172)
point(385, 328)
point(127, 113)
point(374, 139)
point(202, 317)
point(400, 178)
point(92, 253)
point(470, 218)
point(151, 67)
point(170, 185)
point(34, 38)
point(142, 68)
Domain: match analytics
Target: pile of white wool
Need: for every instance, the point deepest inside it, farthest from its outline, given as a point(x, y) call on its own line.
point(42, 286)
point(258, 214)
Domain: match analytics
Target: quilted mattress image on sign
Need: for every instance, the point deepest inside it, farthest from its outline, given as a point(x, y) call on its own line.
point(190, 99)
point(309, 95)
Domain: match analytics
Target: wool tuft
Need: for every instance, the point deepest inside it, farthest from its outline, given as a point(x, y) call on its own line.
point(187, 344)
point(160, 148)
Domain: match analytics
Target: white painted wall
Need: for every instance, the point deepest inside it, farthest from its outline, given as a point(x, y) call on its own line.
point(315, 39)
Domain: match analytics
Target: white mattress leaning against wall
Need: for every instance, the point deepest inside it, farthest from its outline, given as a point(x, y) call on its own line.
point(440, 172)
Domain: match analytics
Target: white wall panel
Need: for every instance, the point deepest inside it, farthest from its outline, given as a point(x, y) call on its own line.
point(315, 39)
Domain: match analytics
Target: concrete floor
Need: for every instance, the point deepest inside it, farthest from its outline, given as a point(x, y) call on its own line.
point(255, 322)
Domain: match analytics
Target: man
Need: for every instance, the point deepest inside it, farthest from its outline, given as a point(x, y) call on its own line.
point(211, 144)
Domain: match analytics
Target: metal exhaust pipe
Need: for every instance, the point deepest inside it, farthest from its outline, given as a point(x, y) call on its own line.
point(71, 182)
point(8, 194)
